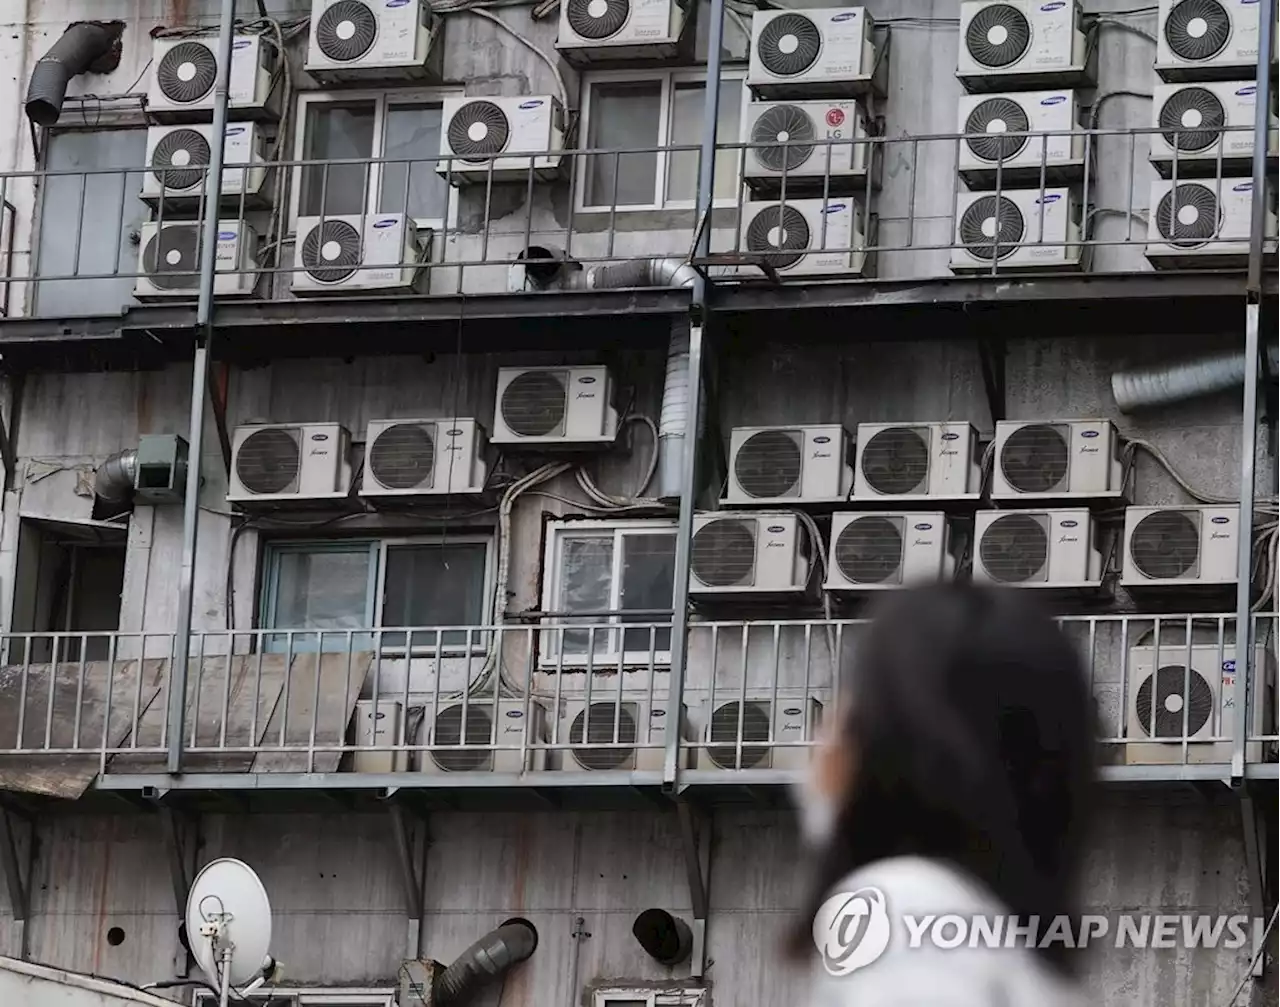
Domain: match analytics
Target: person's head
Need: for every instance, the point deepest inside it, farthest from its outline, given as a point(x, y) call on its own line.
point(966, 733)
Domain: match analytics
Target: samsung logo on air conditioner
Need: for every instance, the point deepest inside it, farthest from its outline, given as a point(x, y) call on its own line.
point(242, 44)
point(226, 235)
point(1068, 523)
point(822, 439)
point(1052, 197)
point(950, 435)
point(1056, 5)
point(1243, 187)
point(1055, 99)
point(234, 130)
point(775, 529)
point(1088, 433)
point(1248, 1)
point(924, 526)
point(403, 3)
point(537, 102)
point(848, 15)
point(836, 208)
point(1220, 520)
point(513, 714)
point(390, 222)
point(1248, 91)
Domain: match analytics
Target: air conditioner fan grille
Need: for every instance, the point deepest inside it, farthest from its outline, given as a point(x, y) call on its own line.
point(896, 461)
point(789, 45)
point(187, 72)
point(597, 19)
point(1014, 548)
point(180, 159)
point(997, 36)
point(723, 735)
point(1165, 545)
point(346, 31)
point(723, 553)
point(331, 251)
point(594, 726)
point(269, 460)
point(534, 403)
point(403, 457)
point(781, 232)
point(172, 257)
point(1197, 30)
point(448, 732)
point(768, 464)
point(477, 131)
point(1195, 219)
point(1034, 458)
point(783, 124)
point(869, 550)
point(991, 121)
point(1177, 695)
point(1192, 117)
point(990, 224)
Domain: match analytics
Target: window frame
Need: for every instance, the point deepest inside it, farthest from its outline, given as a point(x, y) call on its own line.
point(668, 79)
point(378, 548)
point(692, 997)
point(314, 997)
point(549, 653)
point(382, 100)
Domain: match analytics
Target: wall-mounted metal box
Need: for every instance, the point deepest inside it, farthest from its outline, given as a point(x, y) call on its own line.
point(161, 473)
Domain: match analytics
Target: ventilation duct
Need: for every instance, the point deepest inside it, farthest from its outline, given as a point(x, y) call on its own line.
point(1147, 388)
point(665, 938)
point(487, 959)
point(114, 479)
point(642, 273)
point(86, 46)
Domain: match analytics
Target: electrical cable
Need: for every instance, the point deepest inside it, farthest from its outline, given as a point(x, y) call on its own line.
point(555, 69)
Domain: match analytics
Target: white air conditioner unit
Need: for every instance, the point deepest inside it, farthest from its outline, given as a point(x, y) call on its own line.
point(990, 123)
point(876, 551)
point(184, 70)
point(178, 158)
point(748, 554)
point(169, 260)
point(1020, 229)
point(351, 252)
point(1202, 223)
point(760, 733)
point(1056, 460)
point(788, 464)
point(1197, 703)
point(1008, 42)
point(560, 406)
point(370, 40)
point(378, 730)
point(635, 728)
point(472, 737)
point(1206, 39)
point(595, 32)
point(289, 461)
point(501, 138)
point(794, 132)
point(903, 460)
point(1190, 117)
point(1180, 546)
point(826, 52)
point(423, 458)
point(1051, 548)
point(806, 237)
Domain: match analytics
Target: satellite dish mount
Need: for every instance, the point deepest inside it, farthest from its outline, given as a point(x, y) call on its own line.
point(228, 922)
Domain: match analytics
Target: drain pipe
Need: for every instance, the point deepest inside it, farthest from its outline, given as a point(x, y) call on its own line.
point(199, 387)
point(1144, 388)
point(693, 398)
point(489, 958)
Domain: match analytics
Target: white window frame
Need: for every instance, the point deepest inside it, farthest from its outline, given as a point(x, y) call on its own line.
point(668, 79)
point(322, 997)
point(378, 547)
point(382, 100)
point(695, 997)
point(557, 531)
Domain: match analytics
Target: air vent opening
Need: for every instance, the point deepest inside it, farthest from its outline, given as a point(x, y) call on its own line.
point(768, 464)
point(594, 725)
point(1015, 549)
point(723, 735)
point(1166, 545)
point(269, 460)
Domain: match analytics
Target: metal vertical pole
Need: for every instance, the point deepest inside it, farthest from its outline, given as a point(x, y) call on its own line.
point(689, 467)
point(199, 388)
point(1249, 417)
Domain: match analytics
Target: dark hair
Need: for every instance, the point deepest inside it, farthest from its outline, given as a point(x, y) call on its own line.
point(970, 730)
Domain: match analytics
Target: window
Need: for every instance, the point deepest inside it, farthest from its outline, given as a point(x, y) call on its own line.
point(364, 125)
point(414, 583)
point(604, 569)
point(628, 111)
point(308, 998)
point(621, 997)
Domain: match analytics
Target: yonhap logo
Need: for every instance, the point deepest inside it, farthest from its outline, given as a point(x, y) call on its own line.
point(851, 930)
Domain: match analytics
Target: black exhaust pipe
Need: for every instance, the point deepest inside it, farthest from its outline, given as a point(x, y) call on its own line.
point(85, 46)
point(486, 960)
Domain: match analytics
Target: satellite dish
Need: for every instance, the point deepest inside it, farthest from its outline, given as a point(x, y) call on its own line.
point(229, 922)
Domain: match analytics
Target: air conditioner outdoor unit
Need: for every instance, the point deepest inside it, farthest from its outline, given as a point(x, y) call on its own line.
point(596, 32)
point(637, 727)
point(169, 260)
point(1190, 117)
point(1175, 702)
point(1056, 460)
point(423, 458)
point(178, 159)
point(378, 731)
point(1180, 546)
point(748, 554)
point(876, 551)
point(1206, 39)
point(788, 464)
point(370, 40)
point(469, 738)
point(795, 132)
point(501, 139)
point(351, 252)
point(992, 149)
point(760, 733)
point(806, 236)
point(1020, 229)
point(926, 460)
point(828, 52)
point(561, 406)
point(1048, 549)
point(1203, 223)
point(289, 461)
point(184, 70)
point(1005, 44)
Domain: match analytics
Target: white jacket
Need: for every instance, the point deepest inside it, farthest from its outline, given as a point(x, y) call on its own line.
point(927, 975)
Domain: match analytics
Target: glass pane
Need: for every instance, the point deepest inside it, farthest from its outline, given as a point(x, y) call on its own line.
point(648, 570)
point(321, 589)
point(686, 128)
point(586, 585)
point(336, 131)
point(624, 115)
point(434, 585)
point(413, 131)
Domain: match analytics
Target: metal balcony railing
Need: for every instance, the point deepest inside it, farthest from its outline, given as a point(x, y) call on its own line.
point(453, 704)
point(75, 228)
